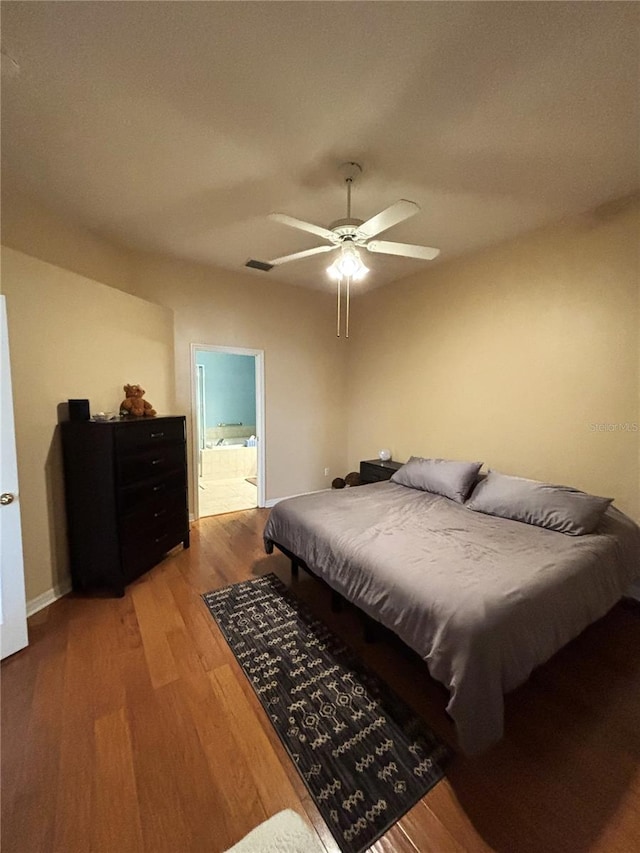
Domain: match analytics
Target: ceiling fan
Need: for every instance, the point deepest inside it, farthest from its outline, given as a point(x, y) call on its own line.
point(351, 234)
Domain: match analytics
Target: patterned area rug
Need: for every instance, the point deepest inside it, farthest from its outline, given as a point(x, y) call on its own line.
point(365, 757)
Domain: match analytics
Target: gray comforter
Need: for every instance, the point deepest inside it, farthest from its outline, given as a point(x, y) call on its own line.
point(482, 600)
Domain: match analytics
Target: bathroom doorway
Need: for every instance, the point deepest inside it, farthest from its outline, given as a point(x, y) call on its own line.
point(228, 419)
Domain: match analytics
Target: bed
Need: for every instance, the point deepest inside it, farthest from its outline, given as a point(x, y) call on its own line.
point(483, 600)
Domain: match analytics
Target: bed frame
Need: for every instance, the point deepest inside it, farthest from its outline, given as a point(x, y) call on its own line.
point(372, 630)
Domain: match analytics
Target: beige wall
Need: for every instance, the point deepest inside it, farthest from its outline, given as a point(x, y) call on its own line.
point(509, 356)
point(33, 229)
point(70, 337)
point(304, 362)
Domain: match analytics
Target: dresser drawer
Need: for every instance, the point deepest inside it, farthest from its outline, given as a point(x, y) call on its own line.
point(150, 492)
point(157, 510)
point(143, 549)
point(134, 435)
point(142, 466)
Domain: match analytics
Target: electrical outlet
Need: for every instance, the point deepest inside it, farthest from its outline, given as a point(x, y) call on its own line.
point(326, 472)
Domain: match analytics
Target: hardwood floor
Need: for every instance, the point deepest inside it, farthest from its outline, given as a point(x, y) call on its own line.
point(127, 726)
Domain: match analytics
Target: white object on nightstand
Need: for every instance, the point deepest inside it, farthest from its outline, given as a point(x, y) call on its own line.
point(384, 455)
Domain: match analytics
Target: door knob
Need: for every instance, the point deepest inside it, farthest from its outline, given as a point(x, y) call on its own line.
point(6, 498)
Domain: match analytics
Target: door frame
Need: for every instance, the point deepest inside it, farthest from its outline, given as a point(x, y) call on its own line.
point(258, 354)
point(13, 605)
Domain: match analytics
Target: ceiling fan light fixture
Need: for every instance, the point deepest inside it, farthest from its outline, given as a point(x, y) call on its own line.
point(348, 264)
point(333, 272)
point(360, 274)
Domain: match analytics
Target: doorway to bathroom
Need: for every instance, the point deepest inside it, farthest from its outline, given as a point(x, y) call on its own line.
point(228, 419)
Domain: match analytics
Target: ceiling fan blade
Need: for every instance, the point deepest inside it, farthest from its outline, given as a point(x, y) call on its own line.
point(292, 222)
point(398, 212)
point(298, 255)
point(423, 253)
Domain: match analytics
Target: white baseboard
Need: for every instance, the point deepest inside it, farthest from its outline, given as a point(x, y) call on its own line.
point(273, 501)
point(46, 598)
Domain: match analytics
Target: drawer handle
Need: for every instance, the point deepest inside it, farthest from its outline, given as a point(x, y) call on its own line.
point(160, 487)
point(157, 434)
point(159, 513)
point(160, 538)
point(157, 461)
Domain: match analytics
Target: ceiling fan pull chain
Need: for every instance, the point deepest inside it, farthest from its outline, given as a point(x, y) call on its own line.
point(338, 323)
point(347, 308)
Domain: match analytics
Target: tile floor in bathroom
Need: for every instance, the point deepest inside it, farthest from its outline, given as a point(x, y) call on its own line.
point(218, 496)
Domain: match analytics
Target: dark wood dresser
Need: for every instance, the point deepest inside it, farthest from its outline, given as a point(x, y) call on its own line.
point(374, 470)
point(126, 497)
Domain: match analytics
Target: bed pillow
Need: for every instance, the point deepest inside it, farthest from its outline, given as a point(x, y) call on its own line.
point(444, 477)
point(558, 508)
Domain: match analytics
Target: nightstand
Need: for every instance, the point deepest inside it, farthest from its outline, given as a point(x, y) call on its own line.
point(375, 471)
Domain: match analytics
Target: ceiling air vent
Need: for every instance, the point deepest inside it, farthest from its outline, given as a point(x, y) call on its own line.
point(259, 265)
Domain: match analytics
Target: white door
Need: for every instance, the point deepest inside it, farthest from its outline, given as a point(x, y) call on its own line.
point(13, 608)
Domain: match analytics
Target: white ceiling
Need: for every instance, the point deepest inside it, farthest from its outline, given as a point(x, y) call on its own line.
point(178, 126)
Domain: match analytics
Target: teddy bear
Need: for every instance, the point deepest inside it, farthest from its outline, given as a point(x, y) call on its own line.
point(133, 404)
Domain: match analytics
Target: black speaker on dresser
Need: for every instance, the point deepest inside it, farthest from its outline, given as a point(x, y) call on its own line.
point(78, 410)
